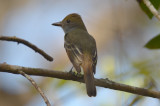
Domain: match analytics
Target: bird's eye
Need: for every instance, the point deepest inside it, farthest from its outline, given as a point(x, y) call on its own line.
point(68, 21)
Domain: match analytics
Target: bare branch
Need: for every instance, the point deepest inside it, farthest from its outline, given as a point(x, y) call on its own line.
point(36, 86)
point(19, 40)
point(152, 9)
point(106, 83)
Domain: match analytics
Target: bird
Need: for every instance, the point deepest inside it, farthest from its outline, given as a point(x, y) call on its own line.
point(81, 49)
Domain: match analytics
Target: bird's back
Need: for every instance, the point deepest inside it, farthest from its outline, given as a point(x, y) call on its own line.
point(83, 40)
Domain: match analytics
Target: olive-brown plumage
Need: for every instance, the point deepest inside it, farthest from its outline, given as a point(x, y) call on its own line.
point(81, 49)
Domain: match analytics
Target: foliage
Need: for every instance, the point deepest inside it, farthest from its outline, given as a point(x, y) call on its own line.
point(156, 4)
point(154, 43)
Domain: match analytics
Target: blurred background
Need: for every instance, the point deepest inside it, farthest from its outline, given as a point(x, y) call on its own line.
point(121, 30)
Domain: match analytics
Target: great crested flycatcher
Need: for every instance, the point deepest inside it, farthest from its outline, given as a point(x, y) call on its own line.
point(81, 48)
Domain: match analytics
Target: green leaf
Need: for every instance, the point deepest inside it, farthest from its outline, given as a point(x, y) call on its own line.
point(155, 3)
point(154, 43)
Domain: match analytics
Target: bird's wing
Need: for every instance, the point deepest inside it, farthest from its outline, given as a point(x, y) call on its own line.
point(74, 53)
point(75, 49)
point(94, 59)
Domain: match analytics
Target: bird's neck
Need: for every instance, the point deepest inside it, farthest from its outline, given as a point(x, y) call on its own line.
point(67, 30)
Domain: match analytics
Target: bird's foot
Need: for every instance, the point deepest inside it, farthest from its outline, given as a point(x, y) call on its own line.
point(75, 73)
point(79, 74)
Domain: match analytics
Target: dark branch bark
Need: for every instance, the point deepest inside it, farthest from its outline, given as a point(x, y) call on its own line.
point(106, 83)
point(19, 40)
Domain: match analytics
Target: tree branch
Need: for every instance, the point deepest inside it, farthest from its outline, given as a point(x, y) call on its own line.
point(152, 9)
point(19, 40)
point(36, 86)
point(106, 83)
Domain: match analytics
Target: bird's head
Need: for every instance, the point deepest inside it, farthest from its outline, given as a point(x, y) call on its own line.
point(71, 22)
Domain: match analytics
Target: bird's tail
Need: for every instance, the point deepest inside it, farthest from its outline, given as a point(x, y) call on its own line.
point(89, 77)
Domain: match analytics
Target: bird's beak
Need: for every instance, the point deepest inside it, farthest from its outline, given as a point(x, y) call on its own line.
point(57, 24)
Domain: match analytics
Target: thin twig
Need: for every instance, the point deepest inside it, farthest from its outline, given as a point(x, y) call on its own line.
point(106, 83)
point(36, 86)
point(19, 40)
point(152, 9)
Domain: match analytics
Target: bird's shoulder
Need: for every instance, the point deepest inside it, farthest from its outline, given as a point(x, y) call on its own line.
point(79, 35)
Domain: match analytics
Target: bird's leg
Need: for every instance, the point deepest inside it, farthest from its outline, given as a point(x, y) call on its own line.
point(75, 73)
point(78, 74)
point(70, 71)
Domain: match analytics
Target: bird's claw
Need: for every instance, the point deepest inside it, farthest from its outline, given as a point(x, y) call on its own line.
point(76, 74)
point(79, 74)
